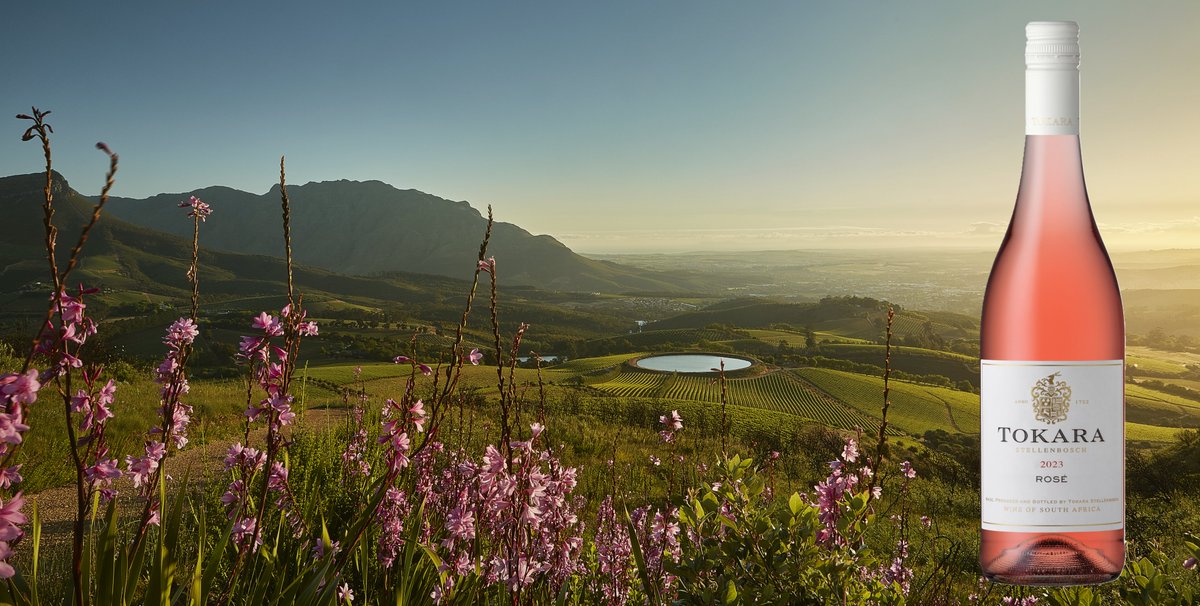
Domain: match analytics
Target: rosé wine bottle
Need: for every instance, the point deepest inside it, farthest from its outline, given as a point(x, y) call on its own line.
point(1052, 343)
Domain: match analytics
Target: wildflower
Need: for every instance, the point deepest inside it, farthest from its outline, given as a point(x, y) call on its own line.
point(199, 209)
point(11, 518)
point(417, 414)
point(249, 344)
point(907, 469)
point(268, 324)
point(475, 356)
point(673, 423)
point(1190, 563)
point(243, 530)
point(233, 495)
point(655, 460)
point(181, 332)
point(460, 523)
point(402, 360)
point(10, 476)
point(103, 472)
point(11, 428)
point(345, 594)
point(321, 549)
point(489, 265)
point(1010, 601)
point(613, 555)
point(926, 521)
point(143, 467)
point(6, 569)
point(21, 388)
point(850, 451)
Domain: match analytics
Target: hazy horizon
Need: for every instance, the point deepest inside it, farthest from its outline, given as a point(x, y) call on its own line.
point(626, 126)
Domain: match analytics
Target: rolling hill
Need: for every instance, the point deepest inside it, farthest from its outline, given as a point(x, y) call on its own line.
point(856, 317)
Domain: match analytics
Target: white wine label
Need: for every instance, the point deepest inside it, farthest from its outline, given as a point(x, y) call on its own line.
point(1053, 445)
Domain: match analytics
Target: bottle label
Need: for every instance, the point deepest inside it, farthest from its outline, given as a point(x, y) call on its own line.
point(1053, 445)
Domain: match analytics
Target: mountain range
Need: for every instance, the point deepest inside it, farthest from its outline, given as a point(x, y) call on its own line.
point(371, 228)
point(135, 266)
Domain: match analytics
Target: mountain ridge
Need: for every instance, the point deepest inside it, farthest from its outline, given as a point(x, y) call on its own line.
point(371, 227)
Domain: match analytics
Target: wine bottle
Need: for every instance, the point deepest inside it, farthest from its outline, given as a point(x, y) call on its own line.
point(1052, 343)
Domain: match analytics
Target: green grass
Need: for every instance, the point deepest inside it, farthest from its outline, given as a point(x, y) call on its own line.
point(1152, 395)
point(915, 360)
point(1137, 432)
point(797, 338)
point(915, 408)
point(899, 351)
point(1155, 365)
point(587, 365)
point(218, 408)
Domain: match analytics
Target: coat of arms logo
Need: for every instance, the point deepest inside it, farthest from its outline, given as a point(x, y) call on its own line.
point(1051, 399)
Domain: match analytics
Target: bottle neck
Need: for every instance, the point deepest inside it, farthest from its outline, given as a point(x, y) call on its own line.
point(1053, 198)
point(1052, 99)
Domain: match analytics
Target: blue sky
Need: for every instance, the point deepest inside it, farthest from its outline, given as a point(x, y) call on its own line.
point(622, 125)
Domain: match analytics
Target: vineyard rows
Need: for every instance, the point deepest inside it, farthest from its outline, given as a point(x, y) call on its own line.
point(776, 391)
point(912, 409)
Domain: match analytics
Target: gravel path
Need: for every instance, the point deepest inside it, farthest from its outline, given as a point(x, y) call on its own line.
point(56, 506)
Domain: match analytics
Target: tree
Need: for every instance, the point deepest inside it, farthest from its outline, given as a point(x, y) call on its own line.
point(810, 338)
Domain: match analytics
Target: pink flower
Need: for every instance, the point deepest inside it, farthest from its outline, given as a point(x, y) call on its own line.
point(417, 414)
point(676, 422)
point(425, 370)
point(475, 356)
point(307, 329)
point(21, 388)
point(6, 569)
point(105, 470)
point(250, 344)
point(907, 469)
point(268, 324)
point(489, 265)
point(72, 309)
point(233, 495)
point(244, 530)
point(402, 360)
point(10, 476)
point(199, 209)
point(926, 521)
point(460, 523)
point(11, 428)
point(143, 467)
point(11, 518)
point(673, 423)
point(345, 594)
point(850, 451)
point(1190, 563)
point(181, 332)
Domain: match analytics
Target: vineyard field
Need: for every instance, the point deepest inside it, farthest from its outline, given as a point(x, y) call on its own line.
point(913, 410)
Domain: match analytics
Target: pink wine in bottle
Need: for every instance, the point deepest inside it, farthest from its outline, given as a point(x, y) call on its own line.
point(1052, 343)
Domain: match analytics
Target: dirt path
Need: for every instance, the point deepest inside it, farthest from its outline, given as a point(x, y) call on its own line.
point(200, 464)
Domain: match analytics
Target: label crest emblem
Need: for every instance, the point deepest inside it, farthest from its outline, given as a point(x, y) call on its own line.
point(1051, 399)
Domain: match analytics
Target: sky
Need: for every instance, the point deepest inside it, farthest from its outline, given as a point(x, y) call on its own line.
point(623, 125)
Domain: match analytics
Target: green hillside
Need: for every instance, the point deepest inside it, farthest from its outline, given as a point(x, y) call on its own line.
point(915, 408)
point(855, 317)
